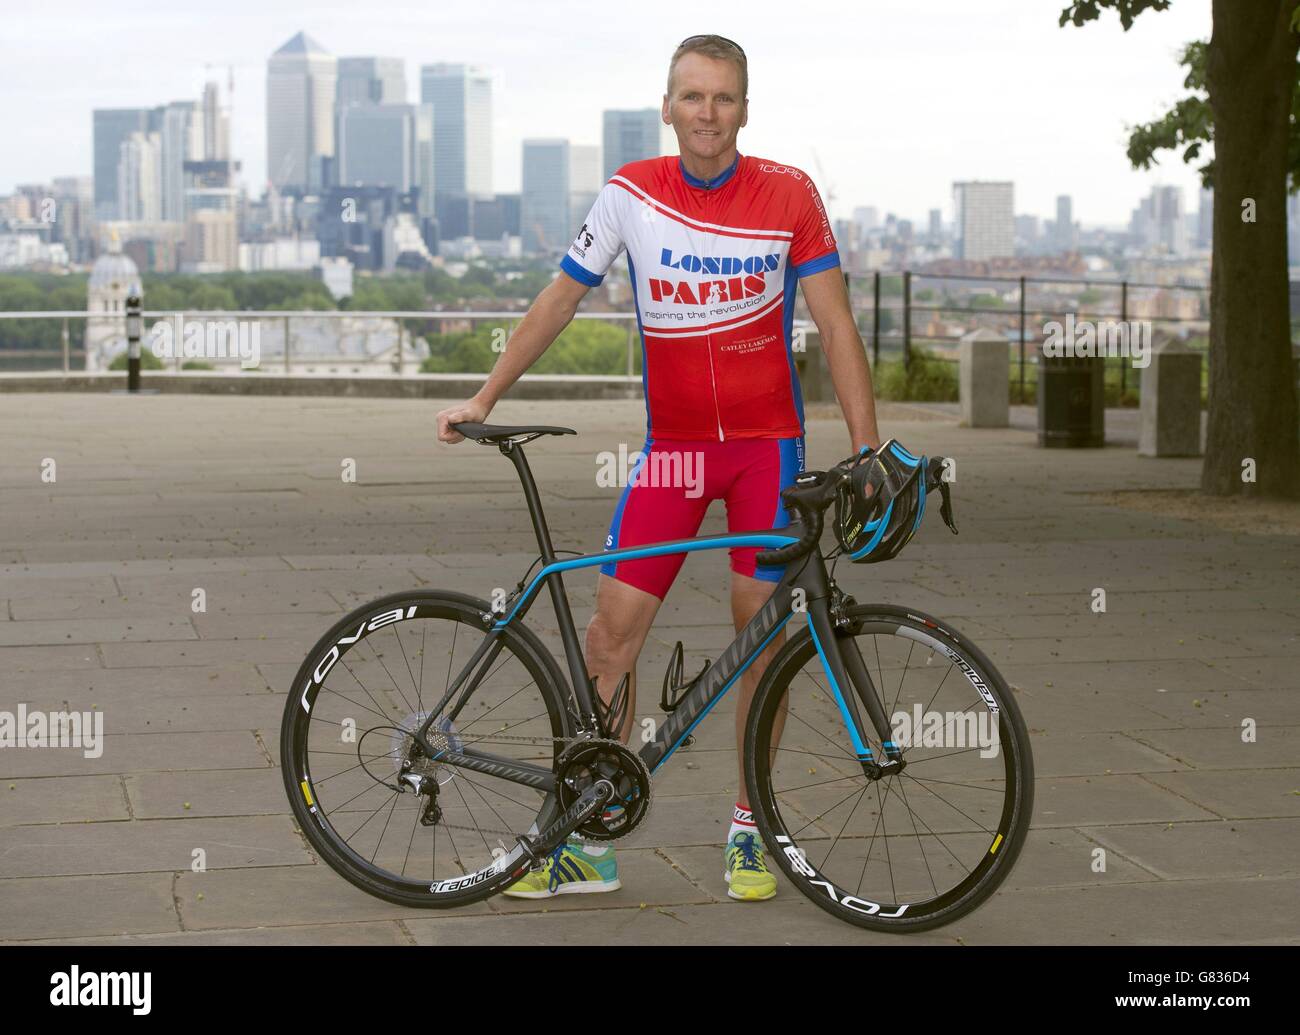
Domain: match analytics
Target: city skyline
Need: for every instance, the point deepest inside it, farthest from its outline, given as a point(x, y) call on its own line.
point(947, 134)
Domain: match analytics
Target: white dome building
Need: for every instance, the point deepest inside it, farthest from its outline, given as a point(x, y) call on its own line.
point(113, 279)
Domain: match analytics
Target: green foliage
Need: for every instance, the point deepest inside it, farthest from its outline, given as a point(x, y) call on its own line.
point(196, 364)
point(986, 301)
point(584, 347)
point(148, 361)
point(1081, 11)
point(926, 379)
point(1189, 124)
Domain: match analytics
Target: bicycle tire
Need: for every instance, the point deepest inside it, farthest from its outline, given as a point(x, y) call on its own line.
point(348, 634)
point(774, 823)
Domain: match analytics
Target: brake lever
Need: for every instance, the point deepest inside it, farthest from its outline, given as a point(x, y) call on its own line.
point(945, 508)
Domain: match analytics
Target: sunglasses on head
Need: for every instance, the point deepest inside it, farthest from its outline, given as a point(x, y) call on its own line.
point(712, 36)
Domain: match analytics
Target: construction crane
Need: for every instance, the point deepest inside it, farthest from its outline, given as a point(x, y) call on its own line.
point(828, 188)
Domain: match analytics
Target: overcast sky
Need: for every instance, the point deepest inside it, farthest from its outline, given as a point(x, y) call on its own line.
point(898, 98)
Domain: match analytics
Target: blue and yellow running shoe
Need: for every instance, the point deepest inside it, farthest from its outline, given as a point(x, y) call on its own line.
point(747, 875)
point(569, 870)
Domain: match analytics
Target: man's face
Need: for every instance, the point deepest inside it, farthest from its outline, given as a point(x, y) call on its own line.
point(705, 107)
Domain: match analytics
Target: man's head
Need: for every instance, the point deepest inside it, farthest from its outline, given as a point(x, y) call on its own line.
point(707, 98)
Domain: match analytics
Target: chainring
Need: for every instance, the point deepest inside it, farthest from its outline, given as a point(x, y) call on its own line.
point(583, 764)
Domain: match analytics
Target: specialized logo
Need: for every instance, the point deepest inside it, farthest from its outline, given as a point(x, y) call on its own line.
point(744, 273)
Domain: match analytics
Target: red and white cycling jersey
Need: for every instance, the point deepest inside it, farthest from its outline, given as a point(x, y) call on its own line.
point(714, 265)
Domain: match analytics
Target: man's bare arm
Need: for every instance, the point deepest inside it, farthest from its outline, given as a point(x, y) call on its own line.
point(828, 304)
point(549, 314)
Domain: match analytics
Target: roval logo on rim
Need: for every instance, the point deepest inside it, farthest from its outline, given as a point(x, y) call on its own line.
point(327, 663)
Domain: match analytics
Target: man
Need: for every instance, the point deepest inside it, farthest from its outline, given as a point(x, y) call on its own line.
point(716, 244)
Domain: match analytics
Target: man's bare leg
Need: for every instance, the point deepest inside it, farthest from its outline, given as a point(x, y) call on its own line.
point(615, 636)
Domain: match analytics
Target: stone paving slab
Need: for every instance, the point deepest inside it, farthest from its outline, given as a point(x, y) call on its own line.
point(131, 752)
point(71, 907)
point(62, 799)
point(1136, 735)
point(71, 849)
point(301, 934)
point(1223, 848)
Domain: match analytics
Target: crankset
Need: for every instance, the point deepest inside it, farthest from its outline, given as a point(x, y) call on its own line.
point(583, 765)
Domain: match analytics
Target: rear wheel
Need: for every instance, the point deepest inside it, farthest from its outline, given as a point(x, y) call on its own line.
point(916, 849)
point(347, 748)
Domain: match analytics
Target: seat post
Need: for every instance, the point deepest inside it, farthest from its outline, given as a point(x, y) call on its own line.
point(564, 617)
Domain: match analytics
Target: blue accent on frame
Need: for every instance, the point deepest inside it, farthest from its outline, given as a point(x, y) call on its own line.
point(863, 752)
point(723, 692)
point(768, 540)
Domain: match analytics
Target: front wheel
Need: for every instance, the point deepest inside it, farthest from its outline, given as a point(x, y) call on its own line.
point(913, 850)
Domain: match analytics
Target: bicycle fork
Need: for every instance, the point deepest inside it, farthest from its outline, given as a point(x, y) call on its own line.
point(852, 685)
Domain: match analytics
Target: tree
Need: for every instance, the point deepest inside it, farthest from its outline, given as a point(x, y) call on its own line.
point(1251, 114)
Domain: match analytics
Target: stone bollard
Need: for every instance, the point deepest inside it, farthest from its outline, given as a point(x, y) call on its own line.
point(985, 380)
point(814, 377)
point(1171, 402)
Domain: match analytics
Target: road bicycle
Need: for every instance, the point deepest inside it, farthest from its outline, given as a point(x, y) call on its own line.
point(434, 751)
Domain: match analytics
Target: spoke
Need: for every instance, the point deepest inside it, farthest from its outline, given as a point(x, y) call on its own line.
point(924, 858)
point(487, 737)
point(348, 669)
point(820, 815)
point(336, 693)
point(957, 783)
point(385, 830)
point(820, 783)
point(472, 820)
point(415, 823)
point(837, 837)
point(371, 816)
point(889, 859)
point(523, 805)
point(952, 806)
point(406, 657)
point(396, 688)
point(911, 646)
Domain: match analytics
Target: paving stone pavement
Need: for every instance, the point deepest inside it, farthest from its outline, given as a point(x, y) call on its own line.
point(1136, 714)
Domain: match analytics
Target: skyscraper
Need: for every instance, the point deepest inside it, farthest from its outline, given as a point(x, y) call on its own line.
point(461, 97)
point(1205, 218)
point(584, 181)
point(376, 145)
point(985, 221)
point(139, 178)
point(629, 136)
point(544, 221)
point(111, 127)
point(371, 80)
point(1063, 236)
point(182, 140)
point(301, 82)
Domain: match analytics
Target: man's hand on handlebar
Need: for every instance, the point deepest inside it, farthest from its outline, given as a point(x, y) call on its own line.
point(470, 410)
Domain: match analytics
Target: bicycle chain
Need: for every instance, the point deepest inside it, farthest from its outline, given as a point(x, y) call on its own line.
point(532, 740)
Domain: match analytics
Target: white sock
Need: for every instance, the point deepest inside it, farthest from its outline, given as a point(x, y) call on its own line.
point(742, 820)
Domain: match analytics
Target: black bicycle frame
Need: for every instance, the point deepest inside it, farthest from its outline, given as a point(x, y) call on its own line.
point(805, 580)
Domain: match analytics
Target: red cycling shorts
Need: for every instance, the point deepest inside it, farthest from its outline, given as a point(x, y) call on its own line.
point(670, 485)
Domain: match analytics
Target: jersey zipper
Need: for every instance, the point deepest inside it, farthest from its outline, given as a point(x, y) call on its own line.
point(708, 343)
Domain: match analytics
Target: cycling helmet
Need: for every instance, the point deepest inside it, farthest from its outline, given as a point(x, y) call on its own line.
point(881, 503)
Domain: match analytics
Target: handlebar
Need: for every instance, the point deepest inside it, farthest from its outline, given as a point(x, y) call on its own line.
point(814, 491)
point(810, 495)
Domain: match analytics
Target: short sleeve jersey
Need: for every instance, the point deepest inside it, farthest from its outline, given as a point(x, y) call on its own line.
point(714, 265)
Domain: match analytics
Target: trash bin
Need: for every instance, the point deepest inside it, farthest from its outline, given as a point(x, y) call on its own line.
point(1071, 402)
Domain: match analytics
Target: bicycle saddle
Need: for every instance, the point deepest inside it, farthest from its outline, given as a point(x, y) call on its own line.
point(500, 432)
